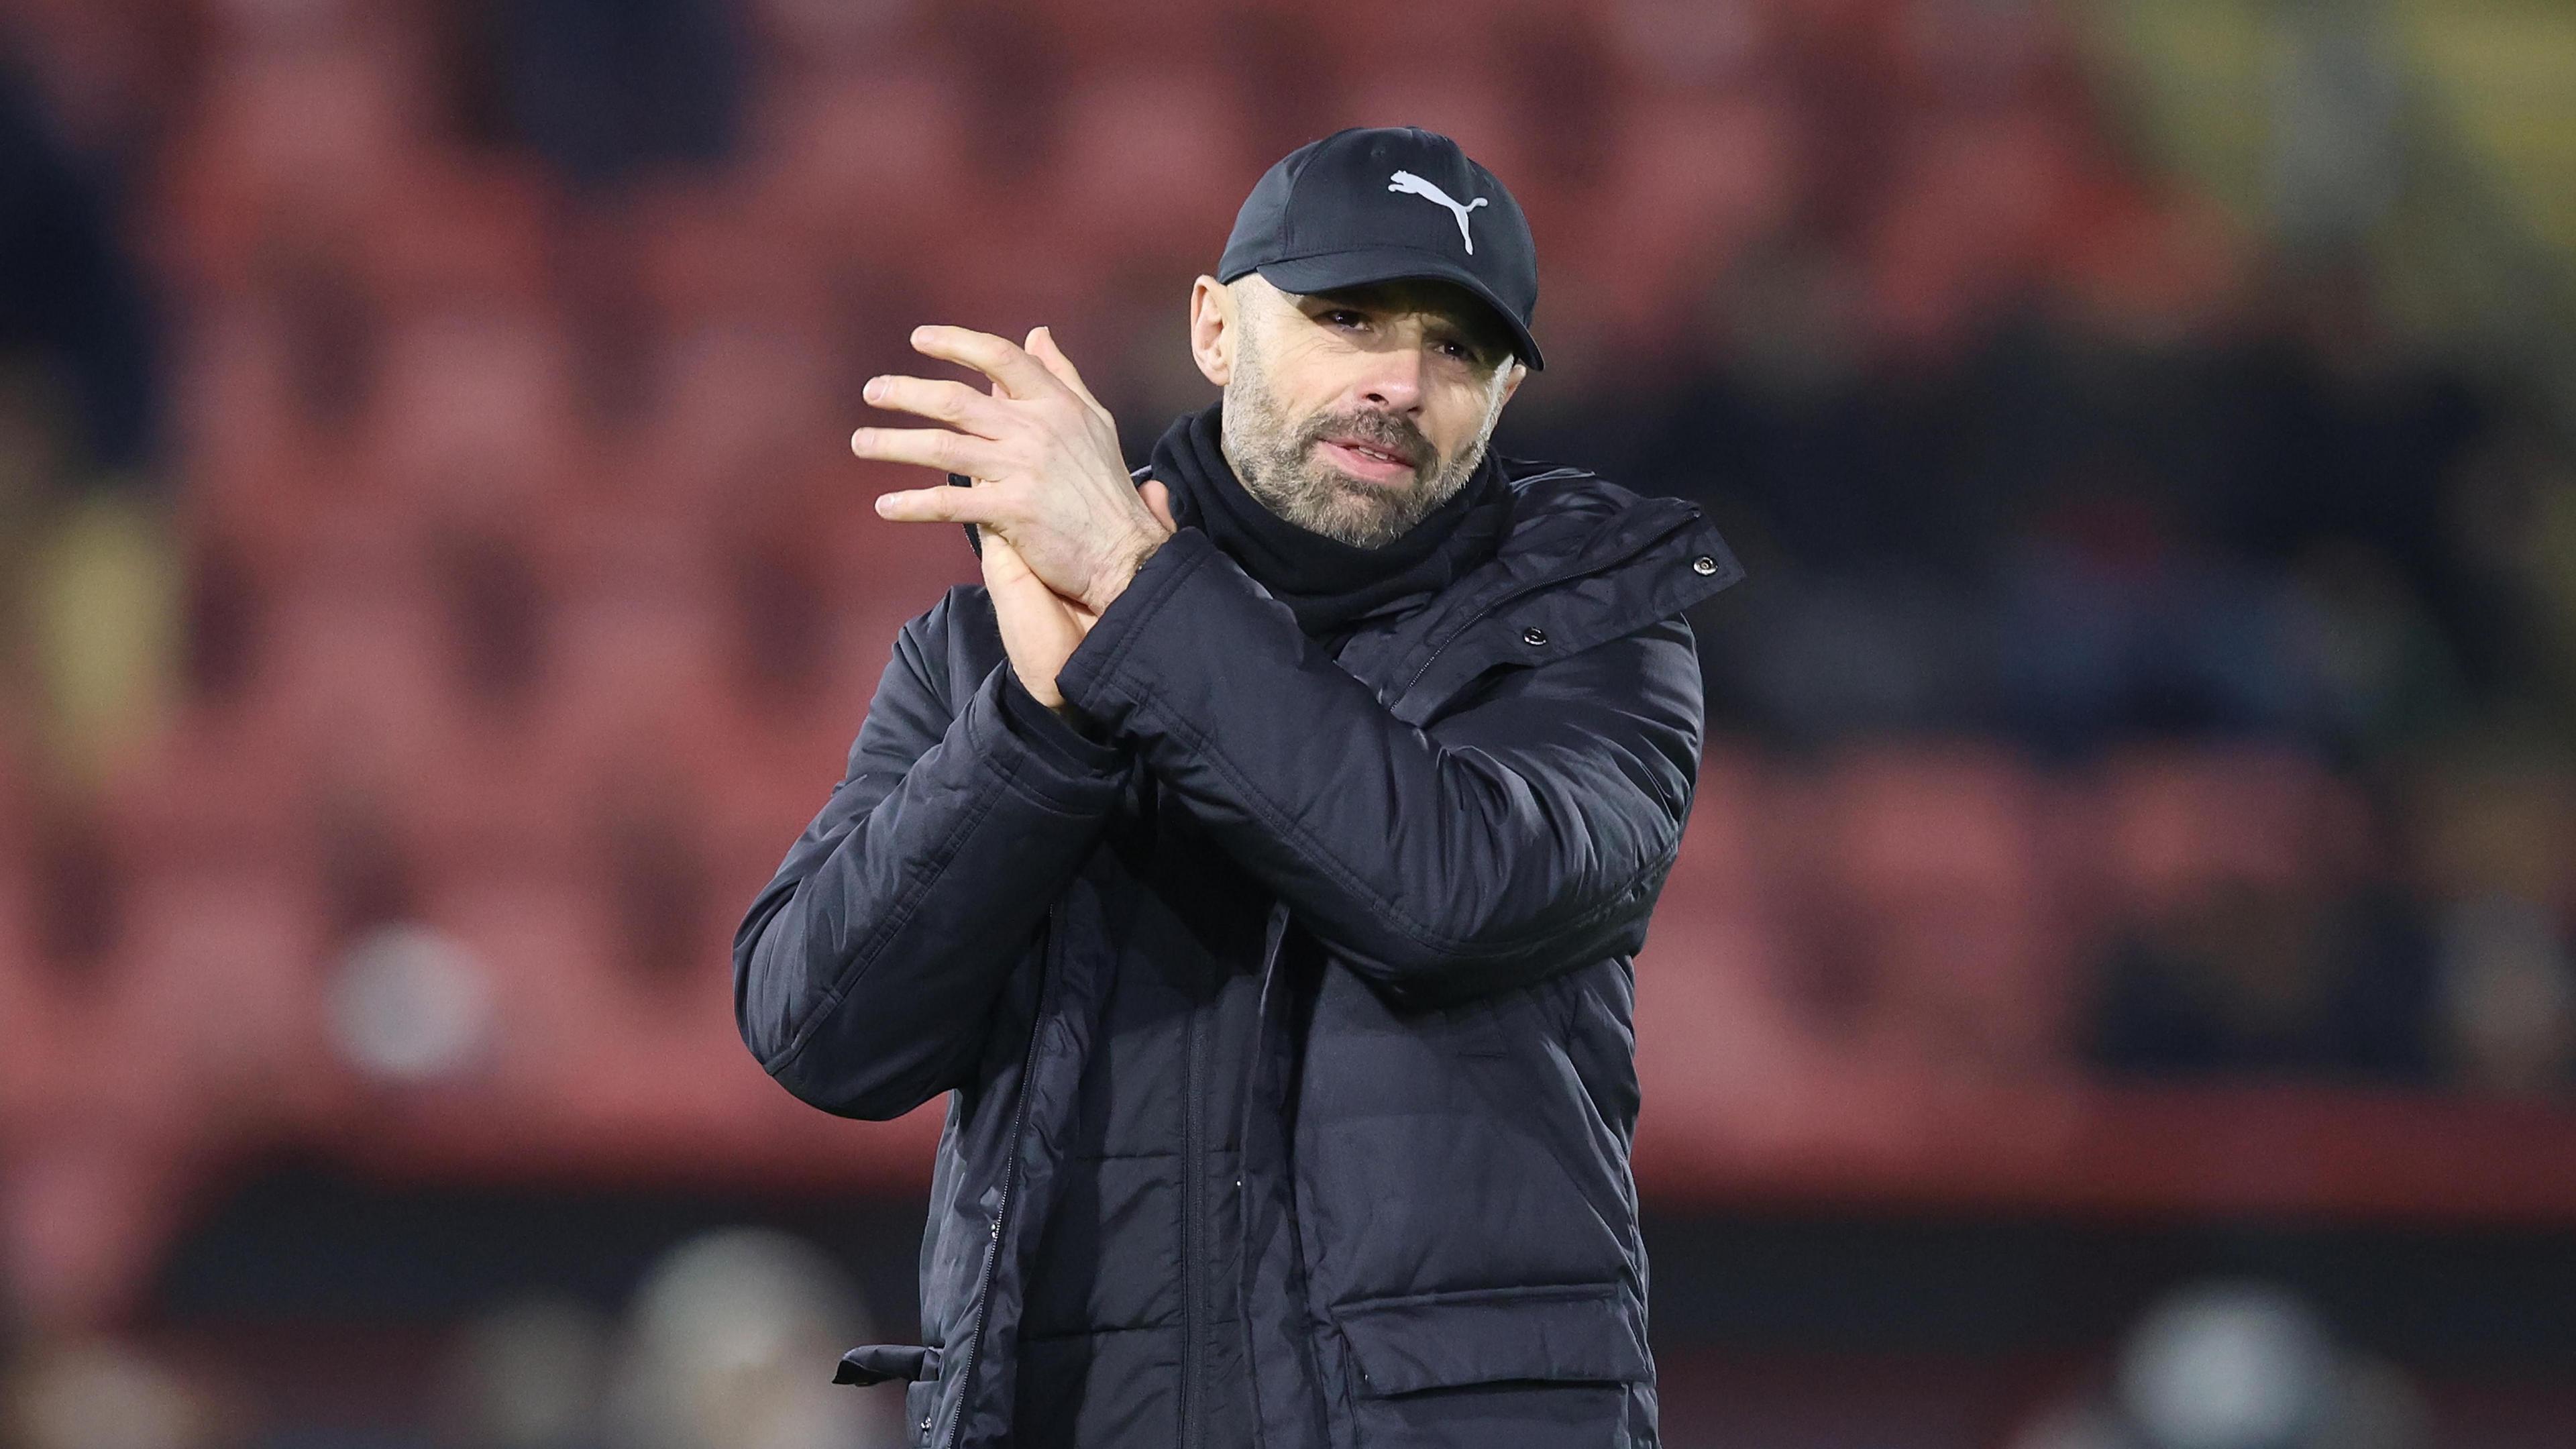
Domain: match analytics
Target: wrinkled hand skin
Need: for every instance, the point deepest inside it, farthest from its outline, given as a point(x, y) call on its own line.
point(1049, 482)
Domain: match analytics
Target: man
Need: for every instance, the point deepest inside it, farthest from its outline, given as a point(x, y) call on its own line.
point(1257, 859)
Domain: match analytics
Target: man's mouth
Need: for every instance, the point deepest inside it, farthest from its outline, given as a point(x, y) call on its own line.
point(1370, 462)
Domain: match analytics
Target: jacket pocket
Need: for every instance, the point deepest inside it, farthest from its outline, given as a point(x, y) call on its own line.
point(1576, 1334)
point(876, 1363)
point(920, 1410)
point(913, 1366)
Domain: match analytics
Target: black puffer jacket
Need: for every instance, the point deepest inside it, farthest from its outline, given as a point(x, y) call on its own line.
point(1289, 1032)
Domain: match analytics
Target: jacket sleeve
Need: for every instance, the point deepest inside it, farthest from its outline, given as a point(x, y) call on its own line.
point(1521, 835)
point(865, 973)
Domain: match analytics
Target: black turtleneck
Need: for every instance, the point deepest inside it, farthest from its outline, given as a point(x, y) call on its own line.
point(1330, 585)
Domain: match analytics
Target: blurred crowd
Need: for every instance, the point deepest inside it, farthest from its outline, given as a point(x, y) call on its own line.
point(438, 593)
point(2237, 1365)
point(2220, 910)
point(718, 1348)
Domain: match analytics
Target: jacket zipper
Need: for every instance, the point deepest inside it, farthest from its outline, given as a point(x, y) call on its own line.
point(1274, 935)
point(1545, 581)
point(1010, 1180)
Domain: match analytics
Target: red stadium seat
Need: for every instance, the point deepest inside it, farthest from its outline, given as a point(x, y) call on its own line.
point(17, 783)
point(798, 36)
point(91, 1202)
point(1712, 1003)
point(1981, 55)
point(28, 1033)
point(1968, 216)
point(465, 232)
point(725, 254)
point(1714, 1024)
point(885, 572)
point(639, 681)
point(473, 410)
point(1935, 895)
point(499, 793)
point(1151, 166)
point(538, 1012)
point(765, 783)
point(1692, 43)
point(249, 27)
point(870, 165)
point(315, 623)
point(741, 408)
point(216, 782)
point(215, 1000)
point(1721, 855)
point(2147, 265)
point(255, 456)
point(1467, 36)
point(1173, 37)
point(1691, 181)
point(1922, 821)
point(585, 1053)
point(364, 660)
point(295, 140)
point(2179, 822)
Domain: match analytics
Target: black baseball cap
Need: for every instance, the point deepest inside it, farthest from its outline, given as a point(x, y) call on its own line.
point(1377, 204)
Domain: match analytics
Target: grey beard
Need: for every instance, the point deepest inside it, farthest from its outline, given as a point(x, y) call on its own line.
point(1277, 465)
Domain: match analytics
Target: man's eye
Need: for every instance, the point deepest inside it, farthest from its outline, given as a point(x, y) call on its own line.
point(1340, 318)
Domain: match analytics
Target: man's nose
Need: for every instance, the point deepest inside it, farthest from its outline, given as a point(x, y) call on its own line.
point(1394, 380)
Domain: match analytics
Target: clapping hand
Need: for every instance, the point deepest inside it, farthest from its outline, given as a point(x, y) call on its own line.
point(1063, 526)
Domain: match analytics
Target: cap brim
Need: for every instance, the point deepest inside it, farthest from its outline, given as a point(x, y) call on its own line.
point(1334, 270)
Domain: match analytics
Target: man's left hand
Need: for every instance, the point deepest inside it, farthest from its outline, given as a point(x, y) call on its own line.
point(1043, 453)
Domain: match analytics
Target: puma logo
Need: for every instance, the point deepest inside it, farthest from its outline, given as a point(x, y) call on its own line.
point(1406, 183)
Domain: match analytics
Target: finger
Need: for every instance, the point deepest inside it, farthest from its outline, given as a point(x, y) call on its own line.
point(1002, 562)
point(1017, 373)
point(1158, 501)
point(942, 504)
point(931, 448)
point(1041, 345)
point(949, 402)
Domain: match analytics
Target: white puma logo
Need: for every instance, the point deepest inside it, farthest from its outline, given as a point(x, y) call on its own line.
point(1411, 185)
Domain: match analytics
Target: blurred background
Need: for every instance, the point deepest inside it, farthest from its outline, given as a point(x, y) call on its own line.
point(2117, 991)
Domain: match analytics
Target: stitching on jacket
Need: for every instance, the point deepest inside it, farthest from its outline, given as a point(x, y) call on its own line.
point(1357, 885)
point(906, 905)
point(1051, 767)
point(1612, 1290)
point(1069, 1335)
point(1042, 796)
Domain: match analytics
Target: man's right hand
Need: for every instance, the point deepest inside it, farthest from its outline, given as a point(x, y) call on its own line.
point(1040, 627)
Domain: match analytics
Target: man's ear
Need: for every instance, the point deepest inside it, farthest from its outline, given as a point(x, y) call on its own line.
point(1214, 329)
point(1514, 370)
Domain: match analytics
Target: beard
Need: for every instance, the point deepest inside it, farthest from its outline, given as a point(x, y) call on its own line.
point(1277, 459)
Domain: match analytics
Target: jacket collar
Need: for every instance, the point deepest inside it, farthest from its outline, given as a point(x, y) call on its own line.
point(1645, 558)
point(1586, 561)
